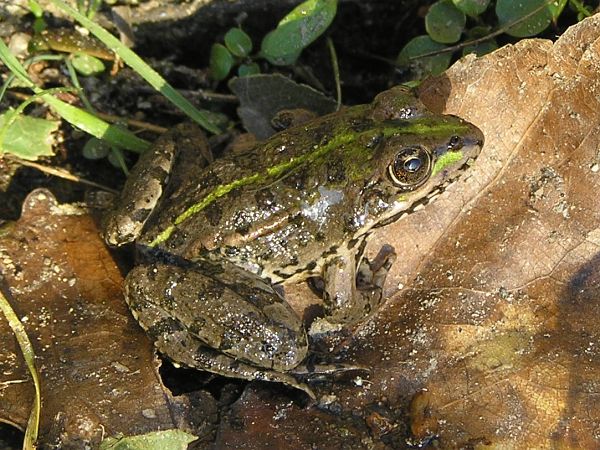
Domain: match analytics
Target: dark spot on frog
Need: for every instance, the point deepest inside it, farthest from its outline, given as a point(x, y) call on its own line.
point(166, 326)
point(264, 198)
point(156, 172)
point(209, 179)
point(230, 251)
point(213, 214)
point(178, 239)
point(268, 348)
point(139, 215)
point(197, 326)
point(214, 290)
point(297, 220)
point(360, 125)
point(242, 228)
point(265, 256)
point(298, 180)
point(374, 141)
point(336, 172)
point(308, 268)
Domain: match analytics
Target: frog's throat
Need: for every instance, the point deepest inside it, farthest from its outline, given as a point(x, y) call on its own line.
point(430, 127)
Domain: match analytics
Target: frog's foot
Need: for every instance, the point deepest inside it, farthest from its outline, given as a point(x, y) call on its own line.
point(184, 349)
point(371, 275)
point(347, 306)
point(315, 372)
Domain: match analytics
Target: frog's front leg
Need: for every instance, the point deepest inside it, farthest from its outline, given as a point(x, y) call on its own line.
point(156, 175)
point(238, 328)
point(352, 294)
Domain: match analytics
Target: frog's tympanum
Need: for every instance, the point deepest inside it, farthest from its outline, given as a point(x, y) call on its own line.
point(215, 242)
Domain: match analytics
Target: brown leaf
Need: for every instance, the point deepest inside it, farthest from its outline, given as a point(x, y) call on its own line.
point(98, 370)
point(490, 335)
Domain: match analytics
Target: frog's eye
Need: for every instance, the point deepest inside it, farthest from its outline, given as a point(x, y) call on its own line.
point(411, 167)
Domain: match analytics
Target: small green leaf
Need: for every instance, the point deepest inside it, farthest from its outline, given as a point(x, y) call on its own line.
point(297, 30)
point(238, 42)
point(556, 8)
point(471, 7)
point(87, 65)
point(39, 25)
point(509, 11)
point(36, 9)
point(95, 149)
point(248, 69)
point(27, 137)
point(410, 56)
point(156, 440)
point(221, 61)
point(444, 23)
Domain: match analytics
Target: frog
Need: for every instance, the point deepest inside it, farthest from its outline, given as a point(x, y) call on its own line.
point(217, 241)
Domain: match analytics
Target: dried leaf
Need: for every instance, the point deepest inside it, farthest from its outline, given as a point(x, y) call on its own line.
point(98, 370)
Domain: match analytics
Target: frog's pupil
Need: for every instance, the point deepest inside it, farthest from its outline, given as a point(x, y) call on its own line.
point(412, 164)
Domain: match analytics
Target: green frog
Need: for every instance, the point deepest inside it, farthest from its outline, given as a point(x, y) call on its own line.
point(216, 242)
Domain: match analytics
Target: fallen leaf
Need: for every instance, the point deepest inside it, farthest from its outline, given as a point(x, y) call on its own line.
point(98, 370)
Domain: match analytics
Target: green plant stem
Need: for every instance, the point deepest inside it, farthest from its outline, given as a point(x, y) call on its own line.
point(33, 424)
point(336, 73)
point(80, 91)
point(580, 7)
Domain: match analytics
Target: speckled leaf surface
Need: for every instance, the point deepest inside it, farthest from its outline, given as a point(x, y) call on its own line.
point(490, 333)
point(97, 368)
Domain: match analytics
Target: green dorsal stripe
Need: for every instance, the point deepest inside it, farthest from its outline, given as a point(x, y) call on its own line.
point(425, 126)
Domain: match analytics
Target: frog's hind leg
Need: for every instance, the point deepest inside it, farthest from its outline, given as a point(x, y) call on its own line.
point(237, 327)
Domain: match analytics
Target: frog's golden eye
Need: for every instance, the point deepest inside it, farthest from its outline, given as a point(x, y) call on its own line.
point(411, 167)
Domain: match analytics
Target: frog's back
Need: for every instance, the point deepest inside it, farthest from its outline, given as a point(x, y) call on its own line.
point(280, 205)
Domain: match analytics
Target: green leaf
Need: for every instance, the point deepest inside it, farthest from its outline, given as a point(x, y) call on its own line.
point(556, 8)
point(471, 7)
point(157, 440)
point(297, 30)
point(444, 23)
point(248, 69)
point(482, 48)
point(27, 137)
point(509, 11)
point(96, 149)
point(36, 9)
point(410, 56)
point(87, 65)
point(79, 118)
point(238, 42)
point(221, 62)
